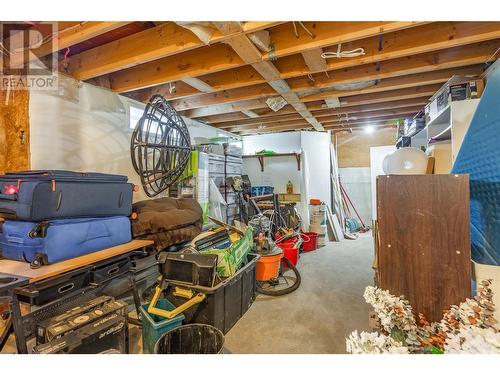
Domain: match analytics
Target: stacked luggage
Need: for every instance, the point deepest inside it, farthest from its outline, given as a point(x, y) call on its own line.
point(51, 216)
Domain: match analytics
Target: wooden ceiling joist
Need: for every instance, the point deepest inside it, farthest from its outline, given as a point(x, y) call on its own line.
point(374, 121)
point(227, 96)
point(400, 82)
point(325, 34)
point(412, 41)
point(255, 104)
point(70, 36)
point(193, 63)
point(139, 48)
point(401, 94)
point(335, 119)
point(158, 42)
point(407, 42)
point(447, 59)
point(251, 55)
point(225, 108)
point(418, 102)
point(444, 59)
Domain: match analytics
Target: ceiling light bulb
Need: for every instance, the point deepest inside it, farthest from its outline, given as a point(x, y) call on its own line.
point(369, 129)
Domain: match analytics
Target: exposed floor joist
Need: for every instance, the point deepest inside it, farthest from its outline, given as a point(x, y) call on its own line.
point(402, 43)
point(251, 55)
point(226, 78)
point(68, 37)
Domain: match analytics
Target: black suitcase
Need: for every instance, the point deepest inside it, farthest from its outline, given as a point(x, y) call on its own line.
point(46, 195)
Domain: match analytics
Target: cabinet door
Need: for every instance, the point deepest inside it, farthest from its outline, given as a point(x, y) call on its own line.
point(424, 240)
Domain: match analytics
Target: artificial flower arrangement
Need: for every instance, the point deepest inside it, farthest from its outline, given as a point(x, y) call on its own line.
point(467, 328)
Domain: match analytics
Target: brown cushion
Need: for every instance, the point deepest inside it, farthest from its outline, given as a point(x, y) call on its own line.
point(165, 214)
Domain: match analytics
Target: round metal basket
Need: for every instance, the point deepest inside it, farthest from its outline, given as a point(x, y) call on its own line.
point(160, 146)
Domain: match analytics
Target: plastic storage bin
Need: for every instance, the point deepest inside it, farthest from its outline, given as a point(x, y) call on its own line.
point(225, 303)
point(153, 326)
point(234, 169)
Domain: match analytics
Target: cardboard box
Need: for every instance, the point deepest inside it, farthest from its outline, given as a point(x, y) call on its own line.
point(289, 197)
point(456, 88)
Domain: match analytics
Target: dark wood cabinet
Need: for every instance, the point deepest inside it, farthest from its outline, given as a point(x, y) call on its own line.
point(423, 238)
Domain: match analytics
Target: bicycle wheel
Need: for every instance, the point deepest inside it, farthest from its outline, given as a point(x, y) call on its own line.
point(286, 282)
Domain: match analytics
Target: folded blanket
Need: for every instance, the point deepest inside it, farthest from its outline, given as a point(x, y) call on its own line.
point(167, 221)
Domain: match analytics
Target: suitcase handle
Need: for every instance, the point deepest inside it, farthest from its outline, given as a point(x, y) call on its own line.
point(8, 197)
point(113, 270)
point(66, 288)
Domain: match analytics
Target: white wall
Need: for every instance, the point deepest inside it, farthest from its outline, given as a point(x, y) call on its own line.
point(316, 147)
point(357, 183)
point(86, 128)
point(312, 181)
point(277, 142)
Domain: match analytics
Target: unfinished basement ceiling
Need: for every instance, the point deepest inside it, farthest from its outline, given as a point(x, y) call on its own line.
point(227, 76)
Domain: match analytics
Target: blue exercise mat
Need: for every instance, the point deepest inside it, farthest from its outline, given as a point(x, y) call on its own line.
point(479, 156)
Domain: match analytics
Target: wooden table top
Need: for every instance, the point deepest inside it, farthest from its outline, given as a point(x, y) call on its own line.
point(23, 268)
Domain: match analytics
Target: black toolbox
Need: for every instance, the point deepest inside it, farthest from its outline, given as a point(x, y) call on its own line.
point(40, 292)
point(225, 303)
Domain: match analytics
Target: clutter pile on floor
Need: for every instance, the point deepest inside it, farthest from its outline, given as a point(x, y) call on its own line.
point(186, 281)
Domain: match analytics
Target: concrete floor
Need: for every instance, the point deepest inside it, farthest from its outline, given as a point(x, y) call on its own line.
point(318, 316)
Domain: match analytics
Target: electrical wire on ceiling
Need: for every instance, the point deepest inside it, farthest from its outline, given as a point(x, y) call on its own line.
point(171, 87)
point(65, 57)
point(492, 56)
point(303, 26)
point(340, 54)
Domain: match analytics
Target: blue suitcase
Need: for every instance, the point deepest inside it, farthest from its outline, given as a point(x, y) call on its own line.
point(53, 241)
point(46, 195)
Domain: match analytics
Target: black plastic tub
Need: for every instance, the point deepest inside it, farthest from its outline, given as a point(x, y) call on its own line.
point(225, 303)
point(191, 339)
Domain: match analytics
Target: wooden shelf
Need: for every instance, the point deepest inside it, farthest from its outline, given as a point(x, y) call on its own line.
point(261, 158)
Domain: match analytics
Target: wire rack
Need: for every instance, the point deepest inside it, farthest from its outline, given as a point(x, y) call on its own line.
point(160, 146)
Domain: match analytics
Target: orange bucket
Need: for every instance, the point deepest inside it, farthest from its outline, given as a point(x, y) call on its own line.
point(268, 267)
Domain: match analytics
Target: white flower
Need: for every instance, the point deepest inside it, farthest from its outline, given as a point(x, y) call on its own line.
point(373, 343)
point(473, 340)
